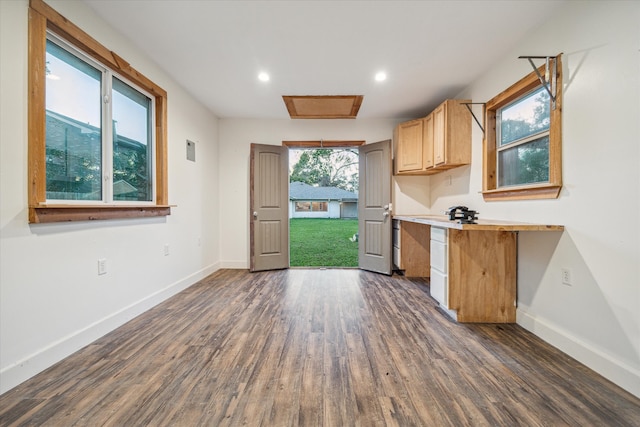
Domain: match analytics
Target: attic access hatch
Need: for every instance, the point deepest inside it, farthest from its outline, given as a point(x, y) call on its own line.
point(323, 106)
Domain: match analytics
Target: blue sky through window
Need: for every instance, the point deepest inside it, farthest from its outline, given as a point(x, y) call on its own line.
point(73, 89)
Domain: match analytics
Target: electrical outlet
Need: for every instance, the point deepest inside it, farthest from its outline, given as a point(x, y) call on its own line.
point(102, 266)
point(447, 180)
point(166, 249)
point(566, 276)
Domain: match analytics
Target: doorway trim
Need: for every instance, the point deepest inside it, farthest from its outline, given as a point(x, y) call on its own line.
point(323, 144)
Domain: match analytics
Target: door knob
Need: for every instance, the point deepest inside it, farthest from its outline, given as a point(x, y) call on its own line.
point(255, 215)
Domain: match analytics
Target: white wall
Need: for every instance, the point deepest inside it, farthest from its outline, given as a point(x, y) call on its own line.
point(597, 319)
point(236, 136)
point(52, 302)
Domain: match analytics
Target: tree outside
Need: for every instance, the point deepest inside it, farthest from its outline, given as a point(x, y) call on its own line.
point(529, 162)
point(325, 167)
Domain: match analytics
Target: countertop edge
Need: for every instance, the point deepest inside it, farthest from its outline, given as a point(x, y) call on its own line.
point(483, 224)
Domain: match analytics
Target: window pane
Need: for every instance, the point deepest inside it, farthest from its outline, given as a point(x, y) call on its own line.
point(303, 206)
point(524, 164)
point(73, 130)
point(319, 206)
point(525, 117)
point(131, 144)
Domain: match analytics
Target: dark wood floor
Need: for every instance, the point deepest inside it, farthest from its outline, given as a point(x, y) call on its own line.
point(312, 348)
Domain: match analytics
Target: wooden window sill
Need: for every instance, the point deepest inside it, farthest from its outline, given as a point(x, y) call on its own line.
point(544, 191)
point(65, 213)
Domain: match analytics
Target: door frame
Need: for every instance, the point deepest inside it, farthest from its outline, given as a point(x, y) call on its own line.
point(319, 144)
point(305, 144)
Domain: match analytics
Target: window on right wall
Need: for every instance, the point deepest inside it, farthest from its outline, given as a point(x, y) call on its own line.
point(522, 155)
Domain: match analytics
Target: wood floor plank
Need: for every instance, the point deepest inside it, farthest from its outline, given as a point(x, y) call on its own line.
point(315, 348)
point(311, 400)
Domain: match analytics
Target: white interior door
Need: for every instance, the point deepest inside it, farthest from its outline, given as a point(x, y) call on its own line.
point(374, 208)
point(269, 207)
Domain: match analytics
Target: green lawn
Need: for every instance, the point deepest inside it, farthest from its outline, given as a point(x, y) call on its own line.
point(323, 242)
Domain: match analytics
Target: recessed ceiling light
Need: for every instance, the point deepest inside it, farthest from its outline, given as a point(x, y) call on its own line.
point(381, 76)
point(263, 77)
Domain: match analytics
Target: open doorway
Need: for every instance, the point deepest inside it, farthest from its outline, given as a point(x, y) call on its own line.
point(269, 207)
point(323, 206)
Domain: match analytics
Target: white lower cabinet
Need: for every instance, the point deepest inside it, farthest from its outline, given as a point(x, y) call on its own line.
point(439, 266)
point(439, 287)
point(439, 256)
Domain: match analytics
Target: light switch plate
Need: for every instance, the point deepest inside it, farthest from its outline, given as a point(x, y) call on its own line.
point(191, 150)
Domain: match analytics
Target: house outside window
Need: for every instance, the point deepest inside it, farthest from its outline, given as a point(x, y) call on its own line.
point(98, 131)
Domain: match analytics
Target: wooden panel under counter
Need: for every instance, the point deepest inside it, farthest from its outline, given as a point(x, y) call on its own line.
point(483, 275)
point(481, 265)
point(415, 249)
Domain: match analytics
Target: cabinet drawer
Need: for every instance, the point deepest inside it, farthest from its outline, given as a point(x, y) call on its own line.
point(439, 256)
point(440, 288)
point(439, 234)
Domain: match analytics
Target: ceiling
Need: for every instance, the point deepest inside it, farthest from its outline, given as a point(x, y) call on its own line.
point(430, 50)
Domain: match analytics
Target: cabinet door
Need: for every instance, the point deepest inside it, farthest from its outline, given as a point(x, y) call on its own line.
point(427, 142)
point(409, 154)
point(439, 266)
point(439, 122)
point(415, 249)
point(457, 133)
point(439, 287)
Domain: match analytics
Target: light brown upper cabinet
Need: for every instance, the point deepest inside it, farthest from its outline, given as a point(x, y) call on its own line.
point(409, 141)
point(437, 142)
point(427, 142)
point(439, 123)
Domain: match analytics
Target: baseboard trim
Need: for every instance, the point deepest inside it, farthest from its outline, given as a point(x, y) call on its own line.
point(37, 362)
point(612, 369)
point(237, 265)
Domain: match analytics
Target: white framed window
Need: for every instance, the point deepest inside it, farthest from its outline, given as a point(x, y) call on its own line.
point(99, 131)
